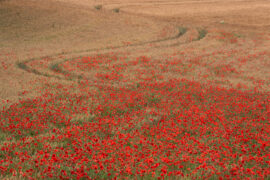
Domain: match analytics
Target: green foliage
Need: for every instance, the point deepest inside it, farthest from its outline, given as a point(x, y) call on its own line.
point(116, 10)
point(98, 7)
point(55, 67)
point(202, 34)
point(22, 65)
point(181, 31)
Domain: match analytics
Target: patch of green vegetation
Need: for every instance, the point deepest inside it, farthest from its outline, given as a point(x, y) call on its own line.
point(181, 31)
point(55, 67)
point(238, 35)
point(98, 7)
point(116, 10)
point(202, 34)
point(22, 65)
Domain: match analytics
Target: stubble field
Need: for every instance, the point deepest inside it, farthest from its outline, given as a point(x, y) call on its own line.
point(129, 89)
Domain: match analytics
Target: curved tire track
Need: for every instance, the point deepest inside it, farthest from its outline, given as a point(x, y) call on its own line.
point(55, 66)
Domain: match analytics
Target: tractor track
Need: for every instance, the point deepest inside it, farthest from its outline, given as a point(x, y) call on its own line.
point(160, 43)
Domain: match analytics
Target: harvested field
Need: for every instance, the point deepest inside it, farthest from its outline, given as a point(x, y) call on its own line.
point(129, 89)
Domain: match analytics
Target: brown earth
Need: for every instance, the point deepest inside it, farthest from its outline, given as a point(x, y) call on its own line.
point(35, 28)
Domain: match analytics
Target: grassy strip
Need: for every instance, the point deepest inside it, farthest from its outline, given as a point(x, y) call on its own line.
point(22, 65)
point(202, 34)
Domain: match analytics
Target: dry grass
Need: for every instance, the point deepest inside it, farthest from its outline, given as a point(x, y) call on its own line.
point(33, 29)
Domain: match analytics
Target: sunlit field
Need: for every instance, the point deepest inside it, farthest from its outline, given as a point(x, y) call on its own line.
point(134, 90)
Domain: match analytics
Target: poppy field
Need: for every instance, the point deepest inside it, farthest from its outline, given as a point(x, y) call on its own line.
point(138, 117)
point(193, 103)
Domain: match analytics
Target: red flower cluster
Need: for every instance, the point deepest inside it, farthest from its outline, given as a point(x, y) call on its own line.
point(131, 118)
